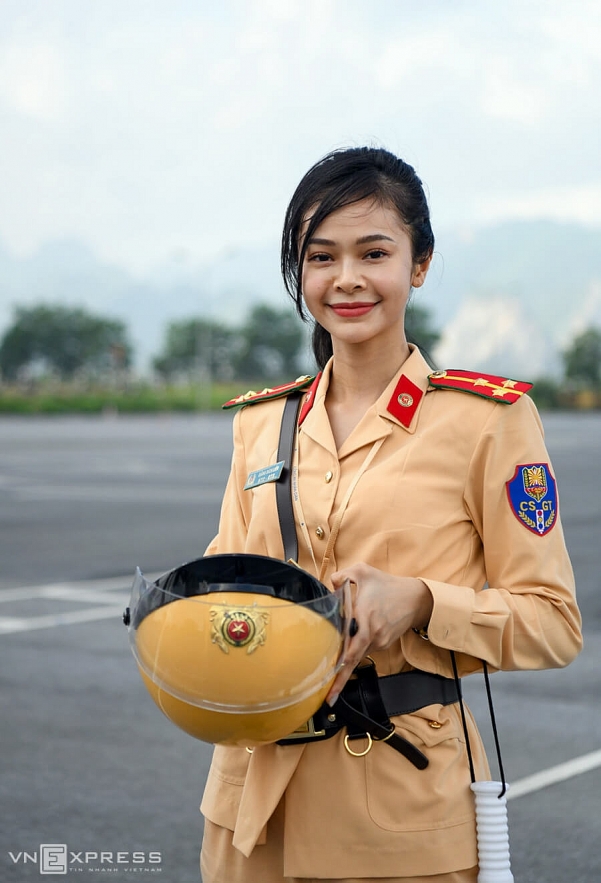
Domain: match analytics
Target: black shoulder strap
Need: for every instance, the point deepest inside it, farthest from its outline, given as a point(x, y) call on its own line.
point(283, 486)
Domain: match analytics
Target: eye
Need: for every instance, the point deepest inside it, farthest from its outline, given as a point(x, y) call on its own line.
point(376, 253)
point(319, 258)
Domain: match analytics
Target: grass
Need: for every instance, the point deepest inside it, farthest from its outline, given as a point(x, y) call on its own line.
point(144, 398)
point(139, 399)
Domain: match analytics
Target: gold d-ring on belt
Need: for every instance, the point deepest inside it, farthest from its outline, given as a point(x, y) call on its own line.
point(370, 742)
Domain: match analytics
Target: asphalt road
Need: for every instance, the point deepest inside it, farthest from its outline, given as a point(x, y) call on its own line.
point(88, 763)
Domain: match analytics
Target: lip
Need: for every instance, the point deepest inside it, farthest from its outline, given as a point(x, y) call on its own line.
point(352, 310)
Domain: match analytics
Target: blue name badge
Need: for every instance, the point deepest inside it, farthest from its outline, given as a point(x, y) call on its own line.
point(264, 476)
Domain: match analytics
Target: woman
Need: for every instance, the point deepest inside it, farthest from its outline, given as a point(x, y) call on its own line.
point(420, 495)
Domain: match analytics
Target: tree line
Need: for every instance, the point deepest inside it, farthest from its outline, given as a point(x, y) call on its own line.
point(68, 343)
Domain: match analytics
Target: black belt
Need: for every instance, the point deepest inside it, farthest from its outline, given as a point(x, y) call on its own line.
point(367, 703)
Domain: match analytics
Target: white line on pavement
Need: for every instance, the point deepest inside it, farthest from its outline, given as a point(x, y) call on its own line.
point(10, 624)
point(555, 774)
point(62, 593)
point(82, 589)
point(94, 591)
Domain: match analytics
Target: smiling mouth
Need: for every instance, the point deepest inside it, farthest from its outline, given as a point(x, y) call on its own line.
point(352, 310)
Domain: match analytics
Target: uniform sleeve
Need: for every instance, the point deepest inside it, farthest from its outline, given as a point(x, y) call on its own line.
point(527, 617)
point(234, 518)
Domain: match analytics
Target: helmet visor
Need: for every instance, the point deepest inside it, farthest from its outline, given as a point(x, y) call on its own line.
point(237, 633)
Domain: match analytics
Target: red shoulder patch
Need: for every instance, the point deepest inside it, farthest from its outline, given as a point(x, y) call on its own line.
point(489, 386)
point(251, 397)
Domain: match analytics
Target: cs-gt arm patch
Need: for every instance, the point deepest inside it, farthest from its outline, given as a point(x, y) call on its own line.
point(532, 495)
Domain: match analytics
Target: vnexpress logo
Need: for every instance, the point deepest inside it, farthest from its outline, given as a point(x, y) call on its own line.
point(56, 858)
point(53, 858)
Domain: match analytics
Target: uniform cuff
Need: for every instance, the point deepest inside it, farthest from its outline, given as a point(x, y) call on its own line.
point(451, 614)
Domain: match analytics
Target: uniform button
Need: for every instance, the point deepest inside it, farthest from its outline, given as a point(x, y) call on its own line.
point(320, 532)
point(329, 476)
point(436, 725)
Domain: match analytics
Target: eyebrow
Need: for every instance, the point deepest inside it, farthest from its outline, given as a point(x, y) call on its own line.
point(363, 240)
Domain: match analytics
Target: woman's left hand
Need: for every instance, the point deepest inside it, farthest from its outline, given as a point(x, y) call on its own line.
point(385, 607)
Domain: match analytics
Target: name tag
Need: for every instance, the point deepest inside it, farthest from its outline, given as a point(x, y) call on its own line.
point(264, 476)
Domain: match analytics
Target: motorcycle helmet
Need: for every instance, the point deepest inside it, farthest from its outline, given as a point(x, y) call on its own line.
point(236, 649)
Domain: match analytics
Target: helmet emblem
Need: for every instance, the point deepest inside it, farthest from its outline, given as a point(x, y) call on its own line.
point(238, 628)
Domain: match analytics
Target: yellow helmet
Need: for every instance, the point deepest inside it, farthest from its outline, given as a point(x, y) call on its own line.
point(236, 649)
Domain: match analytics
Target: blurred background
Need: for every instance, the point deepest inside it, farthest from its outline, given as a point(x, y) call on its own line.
point(149, 150)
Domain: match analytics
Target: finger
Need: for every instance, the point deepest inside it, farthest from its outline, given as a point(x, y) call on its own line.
point(350, 573)
point(342, 677)
point(355, 652)
point(338, 685)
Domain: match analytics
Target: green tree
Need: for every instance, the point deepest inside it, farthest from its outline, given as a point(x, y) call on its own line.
point(63, 341)
point(582, 358)
point(197, 347)
point(546, 393)
point(419, 328)
point(271, 342)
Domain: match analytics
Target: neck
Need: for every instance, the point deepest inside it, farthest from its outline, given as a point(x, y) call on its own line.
point(362, 373)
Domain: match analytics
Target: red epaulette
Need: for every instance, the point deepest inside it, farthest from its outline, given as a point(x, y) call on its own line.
point(489, 386)
point(251, 397)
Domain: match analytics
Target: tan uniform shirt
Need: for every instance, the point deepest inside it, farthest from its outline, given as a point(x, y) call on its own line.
point(429, 501)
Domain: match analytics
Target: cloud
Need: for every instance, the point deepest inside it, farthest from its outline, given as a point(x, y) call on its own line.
point(559, 203)
point(146, 128)
point(33, 79)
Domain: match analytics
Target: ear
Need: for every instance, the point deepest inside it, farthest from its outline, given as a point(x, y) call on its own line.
point(420, 271)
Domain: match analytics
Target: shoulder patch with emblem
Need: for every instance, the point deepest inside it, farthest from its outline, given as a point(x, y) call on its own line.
point(532, 495)
point(488, 386)
point(252, 397)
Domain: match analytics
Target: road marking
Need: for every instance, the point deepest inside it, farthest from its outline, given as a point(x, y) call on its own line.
point(554, 774)
point(10, 624)
point(112, 593)
point(81, 588)
point(61, 593)
point(189, 496)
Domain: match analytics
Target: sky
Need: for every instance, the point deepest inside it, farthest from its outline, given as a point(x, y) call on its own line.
point(162, 131)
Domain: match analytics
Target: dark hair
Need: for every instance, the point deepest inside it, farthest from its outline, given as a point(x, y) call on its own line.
point(339, 179)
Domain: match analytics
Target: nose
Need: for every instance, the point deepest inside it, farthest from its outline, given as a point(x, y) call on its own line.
point(349, 277)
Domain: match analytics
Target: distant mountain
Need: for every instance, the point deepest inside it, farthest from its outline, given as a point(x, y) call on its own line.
point(508, 297)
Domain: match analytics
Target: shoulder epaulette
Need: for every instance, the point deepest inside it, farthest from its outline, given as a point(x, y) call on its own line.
point(252, 398)
point(489, 386)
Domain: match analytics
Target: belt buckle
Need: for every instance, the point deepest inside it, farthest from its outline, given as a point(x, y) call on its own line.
point(306, 731)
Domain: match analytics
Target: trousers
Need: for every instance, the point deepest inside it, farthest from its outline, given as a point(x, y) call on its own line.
point(220, 862)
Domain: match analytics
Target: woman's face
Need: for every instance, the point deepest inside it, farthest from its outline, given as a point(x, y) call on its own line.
point(358, 273)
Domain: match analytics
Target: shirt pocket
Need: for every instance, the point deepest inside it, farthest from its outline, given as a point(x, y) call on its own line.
point(403, 798)
point(223, 790)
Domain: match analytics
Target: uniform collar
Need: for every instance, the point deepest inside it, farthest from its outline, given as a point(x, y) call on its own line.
point(399, 404)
